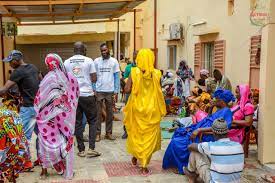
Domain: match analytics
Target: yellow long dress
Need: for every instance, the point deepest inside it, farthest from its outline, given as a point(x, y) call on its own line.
point(144, 110)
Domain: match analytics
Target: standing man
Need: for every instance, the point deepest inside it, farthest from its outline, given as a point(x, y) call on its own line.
point(83, 69)
point(222, 81)
point(107, 87)
point(27, 77)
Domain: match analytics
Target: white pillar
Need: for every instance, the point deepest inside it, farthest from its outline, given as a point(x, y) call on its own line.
point(267, 92)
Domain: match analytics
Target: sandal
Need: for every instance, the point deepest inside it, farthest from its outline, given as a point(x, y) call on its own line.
point(93, 153)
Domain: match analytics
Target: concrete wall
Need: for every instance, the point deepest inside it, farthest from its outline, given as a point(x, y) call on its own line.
point(235, 29)
point(267, 88)
point(35, 53)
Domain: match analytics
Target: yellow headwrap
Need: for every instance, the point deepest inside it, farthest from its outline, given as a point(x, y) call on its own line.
point(145, 62)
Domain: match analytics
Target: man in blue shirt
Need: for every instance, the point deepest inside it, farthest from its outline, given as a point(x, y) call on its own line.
point(220, 161)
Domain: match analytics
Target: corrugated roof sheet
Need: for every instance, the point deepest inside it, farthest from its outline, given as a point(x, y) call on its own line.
point(66, 12)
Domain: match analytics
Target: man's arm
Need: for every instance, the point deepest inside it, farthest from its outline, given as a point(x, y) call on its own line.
point(116, 71)
point(117, 82)
point(128, 86)
point(6, 87)
point(93, 77)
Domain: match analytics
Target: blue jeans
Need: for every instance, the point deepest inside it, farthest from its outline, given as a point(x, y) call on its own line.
point(27, 114)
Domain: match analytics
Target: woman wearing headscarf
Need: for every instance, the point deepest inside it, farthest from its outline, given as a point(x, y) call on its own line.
point(186, 74)
point(144, 110)
point(179, 87)
point(14, 150)
point(177, 154)
point(55, 105)
point(167, 84)
point(210, 83)
point(243, 113)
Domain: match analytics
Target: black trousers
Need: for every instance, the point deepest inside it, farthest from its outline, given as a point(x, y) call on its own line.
point(86, 105)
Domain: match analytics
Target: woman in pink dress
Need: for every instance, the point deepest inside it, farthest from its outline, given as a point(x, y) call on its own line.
point(243, 114)
point(55, 105)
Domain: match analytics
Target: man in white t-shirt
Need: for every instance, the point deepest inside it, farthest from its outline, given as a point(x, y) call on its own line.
point(107, 85)
point(83, 68)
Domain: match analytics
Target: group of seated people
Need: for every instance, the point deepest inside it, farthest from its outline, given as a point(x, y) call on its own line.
point(216, 126)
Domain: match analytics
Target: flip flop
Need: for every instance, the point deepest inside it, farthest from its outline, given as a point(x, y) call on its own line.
point(93, 155)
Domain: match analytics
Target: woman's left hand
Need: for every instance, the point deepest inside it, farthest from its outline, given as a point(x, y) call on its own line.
point(194, 134)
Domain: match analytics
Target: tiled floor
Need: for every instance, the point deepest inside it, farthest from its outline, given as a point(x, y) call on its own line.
point(114, 166)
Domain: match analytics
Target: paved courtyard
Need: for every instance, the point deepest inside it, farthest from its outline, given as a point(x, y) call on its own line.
point(114, 166)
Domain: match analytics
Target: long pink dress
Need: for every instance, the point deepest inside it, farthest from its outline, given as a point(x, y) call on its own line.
point(243, 108)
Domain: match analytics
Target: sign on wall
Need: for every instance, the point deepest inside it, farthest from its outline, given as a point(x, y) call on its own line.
point(9, 29)
point(259, 15)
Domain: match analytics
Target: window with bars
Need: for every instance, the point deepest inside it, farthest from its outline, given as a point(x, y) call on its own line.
point(172, 57)
point(209, 56)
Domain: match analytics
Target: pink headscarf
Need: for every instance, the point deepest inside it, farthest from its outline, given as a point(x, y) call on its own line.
point(245, 95)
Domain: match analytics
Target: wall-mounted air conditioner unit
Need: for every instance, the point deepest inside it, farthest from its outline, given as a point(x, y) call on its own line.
point(176, 31)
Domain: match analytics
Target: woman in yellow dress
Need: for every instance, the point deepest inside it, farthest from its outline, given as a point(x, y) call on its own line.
point(144, 110)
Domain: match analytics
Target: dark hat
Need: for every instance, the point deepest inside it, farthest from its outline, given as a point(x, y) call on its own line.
point(14, 55)
point(220, 127)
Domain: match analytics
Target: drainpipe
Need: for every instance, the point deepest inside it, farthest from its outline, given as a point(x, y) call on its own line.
point(14, 37)
point(155, 32)
point(2, 48)
point(135, 31)
point(118, 41)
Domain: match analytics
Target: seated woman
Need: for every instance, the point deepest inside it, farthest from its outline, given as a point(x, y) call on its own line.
point(195, 114)
point(167, 86)
point(14, 154)
point(177, 153)
point(243, 113)
point(200, 98)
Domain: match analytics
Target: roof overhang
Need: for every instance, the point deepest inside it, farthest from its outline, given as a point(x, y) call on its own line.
point(207, 32)
point(46, 12)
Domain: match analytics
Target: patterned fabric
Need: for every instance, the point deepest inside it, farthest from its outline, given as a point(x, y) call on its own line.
point(184, 72)
point(241, 110)
point(179, 88)
point(55, 105)
point(14, 152)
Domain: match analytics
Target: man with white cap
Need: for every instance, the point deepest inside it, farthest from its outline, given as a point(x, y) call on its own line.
point(219, 161)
